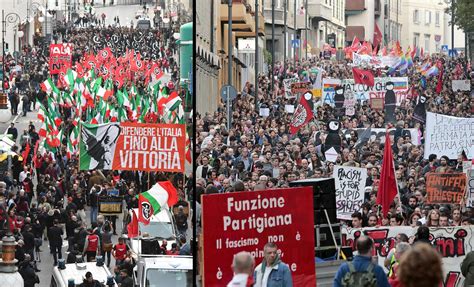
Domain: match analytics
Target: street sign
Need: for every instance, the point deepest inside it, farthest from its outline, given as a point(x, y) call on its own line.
point(228, 90)
point(295, 43)
point(444, 48)
point(453, 52)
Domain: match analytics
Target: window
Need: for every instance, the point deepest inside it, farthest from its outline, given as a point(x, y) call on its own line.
point(437, 19)
point(427, 17)
point(416, 40)
point(427, 43)
point(416, 17)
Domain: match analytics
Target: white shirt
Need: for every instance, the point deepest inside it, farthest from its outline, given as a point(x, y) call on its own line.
point(22, 176)
point(265, 276)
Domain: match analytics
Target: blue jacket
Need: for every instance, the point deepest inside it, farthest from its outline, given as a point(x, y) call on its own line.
point(279, 277)
point(360, 264)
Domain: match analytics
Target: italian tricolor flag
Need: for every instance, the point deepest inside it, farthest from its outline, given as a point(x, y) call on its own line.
point(162, 195)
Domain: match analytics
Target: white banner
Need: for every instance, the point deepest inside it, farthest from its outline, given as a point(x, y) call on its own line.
point(470, 188)
point(350, 184)
point(452, 242)
point(374, 61)
point(461, 85)
point(363, 92)
point(449, 136)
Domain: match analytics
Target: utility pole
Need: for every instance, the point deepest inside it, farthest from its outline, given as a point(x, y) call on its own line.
point(285, 40)
point(306, 29)
point(256, 56)
point(229, 67)
point(294, 37)
point(452, 27)
point(273, 46)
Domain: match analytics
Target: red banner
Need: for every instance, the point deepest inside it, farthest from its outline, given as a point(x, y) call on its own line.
point(246, 221)
point(60, 57)
point(150, 147)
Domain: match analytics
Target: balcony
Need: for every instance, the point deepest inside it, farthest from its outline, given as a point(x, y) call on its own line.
point(355, 7)
point(243, 21)
point(279, 16)
point(319, 11)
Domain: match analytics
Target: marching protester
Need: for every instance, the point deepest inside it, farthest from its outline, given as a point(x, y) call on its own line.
point(243, 267)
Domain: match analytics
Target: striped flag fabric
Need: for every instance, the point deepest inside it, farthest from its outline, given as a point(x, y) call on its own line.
point(162, 195)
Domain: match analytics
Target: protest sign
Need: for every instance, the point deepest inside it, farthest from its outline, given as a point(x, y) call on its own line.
point(373, 61)
point(470, 188)
point(349, 103)
point(287, 85)
point(453, 243)
point(449, 136)
point(331, 155)
point(60, 56)
point(365, 93)
point(461, 85)
point(350, 184)
point(246, 221)
point(300, 87)
point(133, 146)
point(110, 204)
point(318, 83)
point(290, 109)
point(445, 187)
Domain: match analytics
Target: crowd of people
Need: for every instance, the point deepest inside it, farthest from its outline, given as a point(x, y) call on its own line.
point(44, 196)
point(258, 152)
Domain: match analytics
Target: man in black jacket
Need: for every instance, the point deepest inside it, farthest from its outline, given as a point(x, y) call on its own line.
point(29, 239)
point(56, 241)
point(27, 271)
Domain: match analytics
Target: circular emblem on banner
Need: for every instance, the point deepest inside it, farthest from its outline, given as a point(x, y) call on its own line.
point(299, 117)
point(146, 210)
point(105, 71)
point(104, 54)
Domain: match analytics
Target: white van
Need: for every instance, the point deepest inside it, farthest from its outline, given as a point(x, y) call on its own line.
point(162, 226)
point(77, 271)
point(164, 270)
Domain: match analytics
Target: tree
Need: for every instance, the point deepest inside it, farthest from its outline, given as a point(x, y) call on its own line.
point(463, 15)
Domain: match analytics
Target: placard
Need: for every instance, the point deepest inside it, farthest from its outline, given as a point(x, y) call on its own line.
point(377, 104)
point(246, 221)
point(445, 188)
point(453, 243)
point(290, 109)
point(470, 188)
point(461, 85)
point(449, 136)
point(350, 185)
point(60, 56)
point(287, 85)
point(132, 146)
point(300, 87)
point(365, 93)
point(110, 204)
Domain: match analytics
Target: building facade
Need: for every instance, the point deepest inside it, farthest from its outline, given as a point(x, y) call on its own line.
point(363, 16)
point(309, 25)
point(426, 25)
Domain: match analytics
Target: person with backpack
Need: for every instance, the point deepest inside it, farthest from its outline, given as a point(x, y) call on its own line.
point(361, 271)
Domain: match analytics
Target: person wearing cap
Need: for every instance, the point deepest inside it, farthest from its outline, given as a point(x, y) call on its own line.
point(89, 281)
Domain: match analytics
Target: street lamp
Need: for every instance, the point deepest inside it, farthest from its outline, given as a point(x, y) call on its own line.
point(10, 18)
point(452, 3)
point(33, 7)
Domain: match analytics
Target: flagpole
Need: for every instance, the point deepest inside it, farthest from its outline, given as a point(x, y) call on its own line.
point(393, 163)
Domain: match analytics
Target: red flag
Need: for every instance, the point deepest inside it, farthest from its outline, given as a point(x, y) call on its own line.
point(355, 43)
point(172, 192)
point(377, 35)
point(364, 77)
point(25, 153)
point(303, 113)
point(422, 52)
point(132, 227)
point(388, 184)
point(439, 85)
